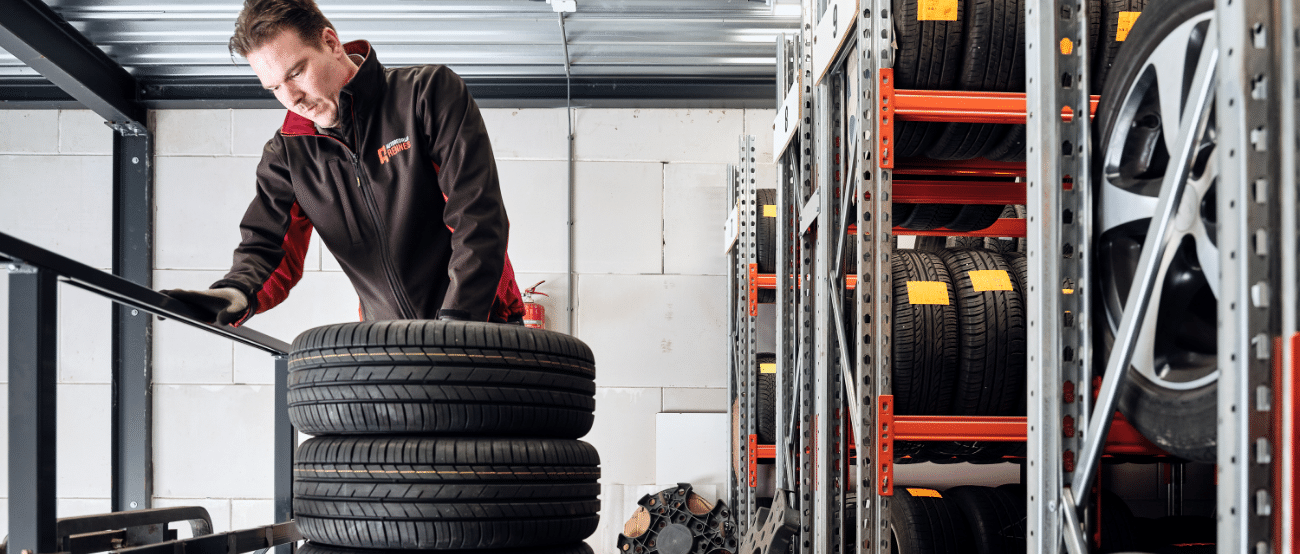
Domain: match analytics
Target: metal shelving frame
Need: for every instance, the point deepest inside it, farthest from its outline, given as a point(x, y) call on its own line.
point(1256, 108)
point(741, 190)
point(837, 151)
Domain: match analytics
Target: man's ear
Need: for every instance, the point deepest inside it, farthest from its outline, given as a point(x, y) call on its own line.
point(331, 41)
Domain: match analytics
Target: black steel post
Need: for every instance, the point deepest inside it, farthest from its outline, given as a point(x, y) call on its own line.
point(285, 441)
point(33, 375)
point(132, 442)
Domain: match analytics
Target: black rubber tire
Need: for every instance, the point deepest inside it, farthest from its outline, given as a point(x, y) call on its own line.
point(928, 217)
point(925, 338)
point(954, 243)
point(927, 525)
point(444, 377)
point(1012, 148)
point(1108, 48)
point(1182, 422)
point(995, 523)
point(928, 56)
point(994, 61)
point(975, 217)
point(901, 212)
point(1004, 245)
point(930, 244)
point(991, 331)
point(1118, 533)
point(766, 232)
point(438, 493)
point(1020, 277)
point(766, 408)
point(316, 548)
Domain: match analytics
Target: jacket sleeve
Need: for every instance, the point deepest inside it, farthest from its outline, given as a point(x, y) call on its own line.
point(467, 175)
point(275, 235)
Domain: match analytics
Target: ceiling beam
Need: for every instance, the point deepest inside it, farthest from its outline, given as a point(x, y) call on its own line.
point(40, 38)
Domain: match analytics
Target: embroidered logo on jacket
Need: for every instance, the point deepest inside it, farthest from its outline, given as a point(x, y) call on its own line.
point(392, 148)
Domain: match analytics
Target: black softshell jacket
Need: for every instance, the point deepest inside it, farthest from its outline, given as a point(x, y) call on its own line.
point(411, 206)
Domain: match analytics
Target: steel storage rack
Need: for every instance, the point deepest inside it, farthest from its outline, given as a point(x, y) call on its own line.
point(836, 178)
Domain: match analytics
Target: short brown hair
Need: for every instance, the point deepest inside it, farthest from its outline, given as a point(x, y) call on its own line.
point(262, 20)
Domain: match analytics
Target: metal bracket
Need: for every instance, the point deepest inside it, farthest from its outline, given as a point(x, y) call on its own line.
point(753, 290)
point(885, 445)
point(886, 132)
point(128, 129)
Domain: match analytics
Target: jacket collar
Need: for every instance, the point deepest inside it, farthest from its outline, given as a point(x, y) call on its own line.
point(365, 85)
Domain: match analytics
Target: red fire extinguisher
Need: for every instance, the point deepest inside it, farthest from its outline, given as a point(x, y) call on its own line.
point(534, 313)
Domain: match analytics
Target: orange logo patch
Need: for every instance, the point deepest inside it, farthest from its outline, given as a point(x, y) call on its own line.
point(392, 148)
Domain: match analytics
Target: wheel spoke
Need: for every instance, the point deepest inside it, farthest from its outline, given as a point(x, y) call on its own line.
point(1170, 64)
point(1123, 206)
point(1144, 353)
point(1208, 254)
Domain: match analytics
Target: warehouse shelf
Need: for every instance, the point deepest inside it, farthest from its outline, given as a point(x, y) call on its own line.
point(834, 167)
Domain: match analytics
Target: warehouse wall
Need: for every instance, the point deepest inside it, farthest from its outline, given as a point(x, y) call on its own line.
point(651, 288)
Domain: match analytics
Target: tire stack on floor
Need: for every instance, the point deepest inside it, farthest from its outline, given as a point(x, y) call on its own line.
point(958, 345)
point(447, 437)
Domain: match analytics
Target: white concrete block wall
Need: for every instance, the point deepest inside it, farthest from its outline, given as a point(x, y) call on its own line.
point(650, 188)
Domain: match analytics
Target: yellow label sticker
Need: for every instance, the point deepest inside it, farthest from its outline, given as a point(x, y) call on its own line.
point(767, 368)
point(769, 210)
point(927, 292)
point(925, 492)
point(1126, 21)
point(991, 279)
point(936, 10)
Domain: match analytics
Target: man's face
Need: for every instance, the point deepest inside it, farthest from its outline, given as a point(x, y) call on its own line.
point(305, 78)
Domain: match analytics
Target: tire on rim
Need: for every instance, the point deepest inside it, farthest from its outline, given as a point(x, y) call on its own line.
point(1171, 392)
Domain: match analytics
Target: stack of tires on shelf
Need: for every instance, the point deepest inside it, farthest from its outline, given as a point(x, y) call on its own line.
point(985, 520)
point(959, 344)
point(447, 437)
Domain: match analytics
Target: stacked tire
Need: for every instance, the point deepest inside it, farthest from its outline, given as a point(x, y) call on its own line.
point(986, 520)
point(959, 343)
point(443, 437)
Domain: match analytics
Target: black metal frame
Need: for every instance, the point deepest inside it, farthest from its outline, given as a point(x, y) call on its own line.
point(132, 444)
point(34, 274)
point(35, 34)
point(247, 93)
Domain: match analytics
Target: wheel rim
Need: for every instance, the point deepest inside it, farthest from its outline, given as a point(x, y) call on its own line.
point(1177, 348)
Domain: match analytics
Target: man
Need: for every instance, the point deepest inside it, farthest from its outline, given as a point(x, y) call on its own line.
point(392, 166)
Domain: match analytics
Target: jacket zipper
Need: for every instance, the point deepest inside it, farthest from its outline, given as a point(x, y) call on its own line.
point(403, 302)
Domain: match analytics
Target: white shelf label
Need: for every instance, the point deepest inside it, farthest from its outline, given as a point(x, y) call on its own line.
point(786, 124)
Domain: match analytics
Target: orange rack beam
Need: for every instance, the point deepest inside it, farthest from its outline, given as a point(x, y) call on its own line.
point(909, 191)
point(1009, 227)
point(978, 167)
point(967, 106)
point(1122, 439)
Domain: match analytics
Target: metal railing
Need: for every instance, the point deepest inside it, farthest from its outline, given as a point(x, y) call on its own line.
point(34, 274)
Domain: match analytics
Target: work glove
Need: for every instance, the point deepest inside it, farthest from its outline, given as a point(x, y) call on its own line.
point(453, 315)
point(221, 306)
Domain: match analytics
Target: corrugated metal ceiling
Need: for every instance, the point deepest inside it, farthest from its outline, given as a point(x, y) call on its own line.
point(179, 41)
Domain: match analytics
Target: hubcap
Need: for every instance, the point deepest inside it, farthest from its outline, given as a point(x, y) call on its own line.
point(1176, 345)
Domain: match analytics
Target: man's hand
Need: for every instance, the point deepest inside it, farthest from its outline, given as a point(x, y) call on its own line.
point(221, 306)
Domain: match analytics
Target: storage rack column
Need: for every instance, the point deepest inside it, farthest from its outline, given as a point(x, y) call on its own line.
point(1256, 107)
point(741, 228)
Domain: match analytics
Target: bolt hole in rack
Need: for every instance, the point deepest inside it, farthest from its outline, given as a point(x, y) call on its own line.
point(837, 180)
point(34, 275)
